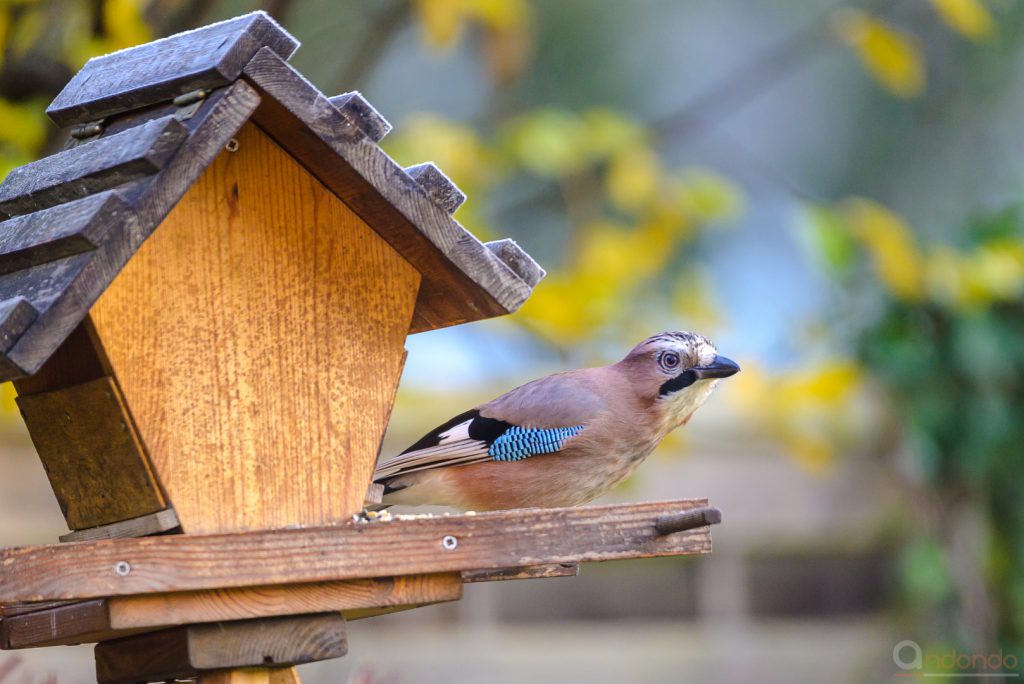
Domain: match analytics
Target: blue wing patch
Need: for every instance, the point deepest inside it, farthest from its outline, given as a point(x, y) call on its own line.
point(517, 443)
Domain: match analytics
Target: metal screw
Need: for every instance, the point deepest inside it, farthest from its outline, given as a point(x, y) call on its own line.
point(449, 542)
point(232, 145)
point(122, 569)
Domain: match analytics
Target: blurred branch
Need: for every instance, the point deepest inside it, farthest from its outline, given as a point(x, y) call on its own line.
point(375, 39)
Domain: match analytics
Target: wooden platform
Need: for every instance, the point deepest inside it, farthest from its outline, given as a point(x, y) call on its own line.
point(81, 592)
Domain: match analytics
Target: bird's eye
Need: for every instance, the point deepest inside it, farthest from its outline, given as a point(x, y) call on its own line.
point(670, 361)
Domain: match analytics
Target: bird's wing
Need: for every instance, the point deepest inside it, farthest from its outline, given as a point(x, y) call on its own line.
point(503, 430)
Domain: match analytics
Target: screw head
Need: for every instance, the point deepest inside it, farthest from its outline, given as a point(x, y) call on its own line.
point(122, 569)
point(232, 145)
point(449, 542)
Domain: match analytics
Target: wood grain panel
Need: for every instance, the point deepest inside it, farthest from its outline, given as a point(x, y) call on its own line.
point(257, 336)
point(490, 540)
point(184, 652)
point(462, 280)
point(103, 619)
point(95, 462)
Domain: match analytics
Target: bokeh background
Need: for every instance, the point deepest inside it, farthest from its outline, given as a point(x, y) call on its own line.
point(830, 190)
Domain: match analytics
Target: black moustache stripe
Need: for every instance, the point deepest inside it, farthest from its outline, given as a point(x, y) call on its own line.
point(681, 381)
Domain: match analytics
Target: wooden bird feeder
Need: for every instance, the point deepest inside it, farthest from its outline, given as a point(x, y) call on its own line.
point(204, 299)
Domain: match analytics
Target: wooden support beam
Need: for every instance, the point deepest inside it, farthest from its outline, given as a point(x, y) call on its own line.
point(92, 454)
point(522, 572)
point(250, 675)
point(184, 652)
point(122, 567)
point(104, 619)
point(92, 167)
point(142, 526)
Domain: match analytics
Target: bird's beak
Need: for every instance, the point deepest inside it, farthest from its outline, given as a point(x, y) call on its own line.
point(721, 367)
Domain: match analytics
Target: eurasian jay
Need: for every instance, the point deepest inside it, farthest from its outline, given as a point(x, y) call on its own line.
point(564, 439)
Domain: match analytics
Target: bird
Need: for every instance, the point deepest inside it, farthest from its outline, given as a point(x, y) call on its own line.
point(563, 439)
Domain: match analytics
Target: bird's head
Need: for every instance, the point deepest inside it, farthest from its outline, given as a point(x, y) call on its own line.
point(676, 371)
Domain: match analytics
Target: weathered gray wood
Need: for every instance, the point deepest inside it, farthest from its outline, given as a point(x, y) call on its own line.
point(462, 279)
point(184, 652)
point(362, 114)
point(513, 256)
point(64, 290)
point(84, 617)
point(42, 286)
point(525, 572)
point(58, 232)
point(208, 57)
point(439, 187)
point(16, 315)
point(143, 526)
point(398, 547)
point(100, 164)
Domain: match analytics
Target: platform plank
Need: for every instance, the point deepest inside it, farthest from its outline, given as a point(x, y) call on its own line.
point(103, 619)
point(352, 551)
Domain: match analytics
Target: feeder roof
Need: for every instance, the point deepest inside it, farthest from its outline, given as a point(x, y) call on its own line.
point(146, 123)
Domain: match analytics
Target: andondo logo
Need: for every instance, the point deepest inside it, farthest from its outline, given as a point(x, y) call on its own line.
point(916, 662)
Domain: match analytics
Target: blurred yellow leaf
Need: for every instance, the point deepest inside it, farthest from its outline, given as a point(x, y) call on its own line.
point(706, 196)
point(454, 147)
point(694, 299)
point(549, 142)
point(442, 20)
point(7, 399)
point(608, 249)
point(806, 410)
point(31, 22)
point(945, 278)
point(125, 24)
point(445, 20)
point(607, 132)
point(633, 177)
point(892, 57)
point(21, 127)
point(829, 383)
point(968, 17)
point(990, 273)
point(887, 237)
point(995, 272)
